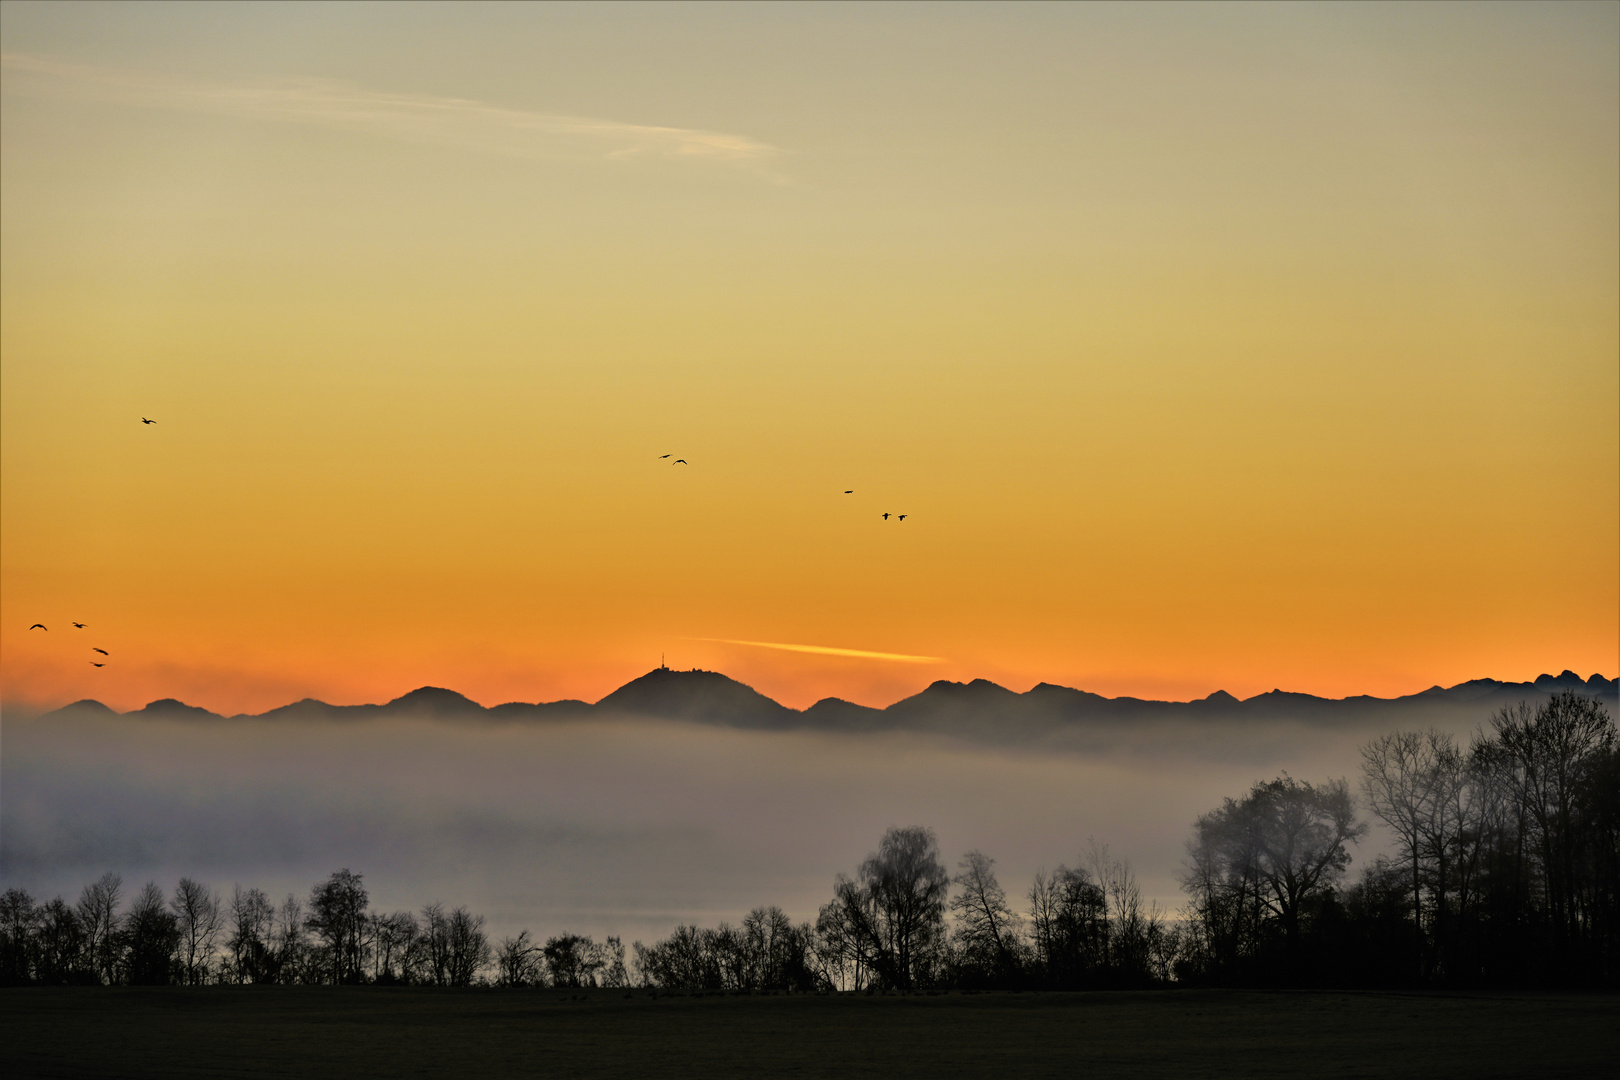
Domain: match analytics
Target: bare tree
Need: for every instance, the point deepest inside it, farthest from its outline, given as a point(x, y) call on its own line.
point(987, 930)
point(890, 918)
point(614, 974)
point(1452, 833)
point(391, 940)
point(198, 921)
point(517, 961)
point(1069, 926)
point(60, 953)
point(98, 917)
point(844, 932)
point(18, 919)
point(1277, 847)
point(1137, 946)
point(1544, 758)
point(337, 915)
point(453, 946)
point(1427, 791)
point(573, 960)
point(468, 947)
point(151, 935)
point(291, 947)
point(1122, 905)
point(775, 949)
point(766, 953)
point(1227, 913)
point(1119, 892)
point(682, 960)
point(728, 947)
point(1396, 769)
point(433, 946)
point(252, 926)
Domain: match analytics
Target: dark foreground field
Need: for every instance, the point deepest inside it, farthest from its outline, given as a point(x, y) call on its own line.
point(283, 1031)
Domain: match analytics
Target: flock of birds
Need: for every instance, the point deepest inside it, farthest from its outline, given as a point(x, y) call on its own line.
point(661, 457)
point(78, 626)
point(886, 515)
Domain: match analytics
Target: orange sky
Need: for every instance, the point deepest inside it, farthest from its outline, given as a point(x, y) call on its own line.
point(1205, 347)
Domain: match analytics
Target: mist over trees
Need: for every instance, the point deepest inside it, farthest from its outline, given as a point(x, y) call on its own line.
point(1506, 872)
point(1510, 848)
point(1256, 866)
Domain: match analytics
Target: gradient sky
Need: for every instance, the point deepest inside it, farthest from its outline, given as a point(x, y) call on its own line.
point(1204, 346)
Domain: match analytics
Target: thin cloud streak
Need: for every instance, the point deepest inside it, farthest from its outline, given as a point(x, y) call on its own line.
point(828, 650)
point(425, 118)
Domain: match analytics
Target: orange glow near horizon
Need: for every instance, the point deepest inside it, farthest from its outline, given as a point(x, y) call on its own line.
point(1246, 349)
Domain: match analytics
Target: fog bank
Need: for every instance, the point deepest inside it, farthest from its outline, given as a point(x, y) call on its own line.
point(600, 826)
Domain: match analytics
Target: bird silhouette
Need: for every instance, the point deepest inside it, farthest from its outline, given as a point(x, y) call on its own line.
point(903, 517)
point(94, 664)
point(678, 461)
point(885, 517)
point(103, 652)
point(80, 625)
point(851, 491)
point(661, 457)
point(144, 420)
point(40, 626)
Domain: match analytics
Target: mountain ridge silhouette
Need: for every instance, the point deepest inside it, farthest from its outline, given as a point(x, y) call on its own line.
point(975, 708)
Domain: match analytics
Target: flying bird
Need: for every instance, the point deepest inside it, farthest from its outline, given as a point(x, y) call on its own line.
point(851, 491)
point(678, 461)
point(903, 517)
point(103, 652)
point(661, 457)
point(94, 664)
point(144, 420)
point(40, 626)
point(885, 517)
point(80, 625)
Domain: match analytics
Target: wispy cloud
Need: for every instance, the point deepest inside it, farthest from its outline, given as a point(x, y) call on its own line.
point(828, 650)
point(460, 122)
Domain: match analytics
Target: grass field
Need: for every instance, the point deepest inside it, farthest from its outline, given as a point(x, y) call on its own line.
point(291, 1031)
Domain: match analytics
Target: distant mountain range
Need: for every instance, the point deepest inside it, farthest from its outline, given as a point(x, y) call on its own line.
point(978, 709)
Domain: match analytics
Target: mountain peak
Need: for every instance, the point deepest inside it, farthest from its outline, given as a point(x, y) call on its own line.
point(86, 707)
point(1565, 678)
point(976, 688)
point(953, 703)
point(846, 715)
point(436, 698)
point(172, 707)
point(698, 695)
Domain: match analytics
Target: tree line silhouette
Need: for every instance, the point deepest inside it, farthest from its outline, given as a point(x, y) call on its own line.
point(1506, 873)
